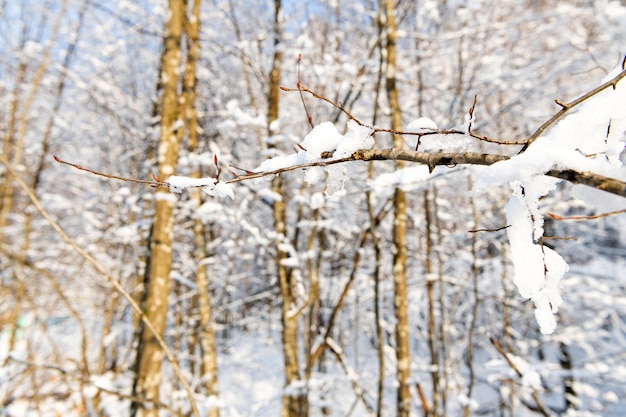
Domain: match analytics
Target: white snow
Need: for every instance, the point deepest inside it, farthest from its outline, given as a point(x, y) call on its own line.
point(324, 138)
point(357, 137)
point(422, 125)
point(179, 183)
point(210, 186)
point(220, 189)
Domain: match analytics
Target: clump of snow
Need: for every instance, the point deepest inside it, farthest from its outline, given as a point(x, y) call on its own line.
point(179, 183)
point(357, 137)
point(446, 143)
point(211, 186)
point(590, 139)
point(324, 138)
point(219, 189)
point(422, 125)
point(336, 178)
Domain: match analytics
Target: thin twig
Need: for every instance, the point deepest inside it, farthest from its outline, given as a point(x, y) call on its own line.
point(302, 88)
point(299, 85)
point(591, 217)
point(489, 230)
point(154, 183)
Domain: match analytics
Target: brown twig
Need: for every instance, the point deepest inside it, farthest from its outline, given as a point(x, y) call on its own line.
point(591, 217)
point(299, 85)
point(489, 230)
point(154, 183)
point(497, 141)
point(300, 88)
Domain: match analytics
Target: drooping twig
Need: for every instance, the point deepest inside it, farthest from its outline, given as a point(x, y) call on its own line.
point(299, 85)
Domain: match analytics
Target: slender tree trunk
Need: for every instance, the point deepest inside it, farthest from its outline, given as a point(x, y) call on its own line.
point(472, 330)
point(206, 330)
point(565, 360)
point(399, 227)
point(432, 331)
point(294, 403)
point(149, 354)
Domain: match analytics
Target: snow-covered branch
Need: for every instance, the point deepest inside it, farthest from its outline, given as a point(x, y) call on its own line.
point(582, 148)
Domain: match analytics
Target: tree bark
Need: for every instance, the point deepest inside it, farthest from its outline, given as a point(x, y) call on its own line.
point(294, 403)
point(205, 325)
point(149, 354)
point(399, 227)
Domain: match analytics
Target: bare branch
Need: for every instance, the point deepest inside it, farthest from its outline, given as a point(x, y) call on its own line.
point(489, 230)
point(154, 183)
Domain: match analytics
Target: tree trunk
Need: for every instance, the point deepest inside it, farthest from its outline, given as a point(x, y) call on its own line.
point(399, 227)
point(205, 325)
point(149, 354)
point(294, 403)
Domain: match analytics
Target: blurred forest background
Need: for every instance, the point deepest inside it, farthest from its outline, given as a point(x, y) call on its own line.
point(291, 299)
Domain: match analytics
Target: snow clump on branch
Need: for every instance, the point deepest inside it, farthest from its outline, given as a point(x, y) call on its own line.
point(324, 139)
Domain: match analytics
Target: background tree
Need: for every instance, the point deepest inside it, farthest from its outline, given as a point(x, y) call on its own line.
point(149, 354)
